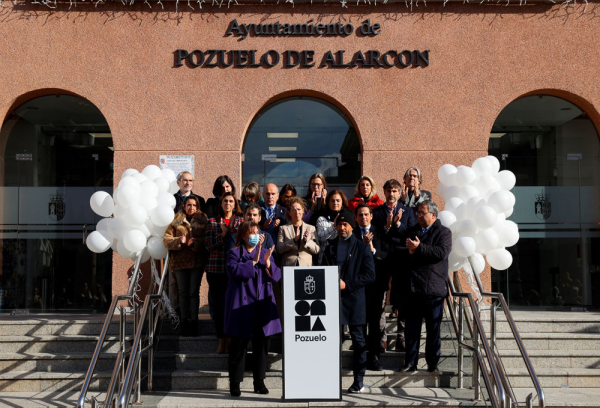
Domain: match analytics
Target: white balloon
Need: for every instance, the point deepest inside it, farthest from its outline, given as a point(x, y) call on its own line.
point(499, 259)
point(464, 246)
point(128, 196)
point(152, 172)
point(467, 192)
point(162, 216)
point(447, 174)
point(169, 174)
point(506, 179)
point(173, 188)
point(147, 226)
point(129, 172)
point(114, 245)
point(483, 166)
point(477, 263)
point(115, 195)
point(102, 203)
point(149, 203)
point(159, 231)
point(116, 228)
point(124, 252)
point(148, 189)
point(500, 201)
point(98, 242)
point(134, 240)
point(509, 234)
point(103, 224)
point(452, 204)
point(446, 218)
point(451, 191)
point(495, 164)
point(465, 175)
point(486, 240)
point(467, 227)
point(485, 217)
point(120, 211)
point(508, 213)
point(473, 204)
point(162, 184)
point(513, 199)
point(156, 248)
point(129, 181)
point(166, 199)
point(485, 183)
point(139, 177)
point(145, 257)
point(455, 262)
point(135, 215)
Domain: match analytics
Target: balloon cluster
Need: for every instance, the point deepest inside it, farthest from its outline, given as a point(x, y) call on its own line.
point(137, 214)
point(478, 201)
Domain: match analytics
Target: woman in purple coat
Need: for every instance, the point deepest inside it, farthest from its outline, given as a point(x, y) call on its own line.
point(250, 308)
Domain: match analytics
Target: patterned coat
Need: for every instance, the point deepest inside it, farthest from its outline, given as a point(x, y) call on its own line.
point(182, 255)
point(216, 243)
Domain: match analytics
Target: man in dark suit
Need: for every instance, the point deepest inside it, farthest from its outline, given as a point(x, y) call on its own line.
point(375, 293)
point(272, 215)
point(393, 218)
point(357, 270)
point(185, 180)
point(424, 277)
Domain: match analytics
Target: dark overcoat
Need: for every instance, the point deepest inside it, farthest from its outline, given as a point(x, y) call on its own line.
point(357, 271)
point(249, 297)
point(380, 257)
point(426, 271)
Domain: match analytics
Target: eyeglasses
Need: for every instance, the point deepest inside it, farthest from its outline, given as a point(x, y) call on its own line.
point(422, 213)
point(316, 184)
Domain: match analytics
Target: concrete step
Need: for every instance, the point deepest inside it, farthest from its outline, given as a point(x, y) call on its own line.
point(56, 344)
point(54, 362)
point(26, 381)
point(58, 327)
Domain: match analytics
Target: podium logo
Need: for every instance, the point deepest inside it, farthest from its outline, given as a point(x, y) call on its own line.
point(309, 285)
point(309, 291)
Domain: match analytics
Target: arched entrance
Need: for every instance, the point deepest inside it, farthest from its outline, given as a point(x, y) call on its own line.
point(552, 147)
point(57, 152)
point(293, 138)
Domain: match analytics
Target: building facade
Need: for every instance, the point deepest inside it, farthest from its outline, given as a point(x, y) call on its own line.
point(275, 92)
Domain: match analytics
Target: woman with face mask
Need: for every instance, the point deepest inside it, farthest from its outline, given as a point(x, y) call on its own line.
point(250, 308)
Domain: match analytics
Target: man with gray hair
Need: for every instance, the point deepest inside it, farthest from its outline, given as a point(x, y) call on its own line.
point(185, 181)
point(412, 195)
point(421, 285)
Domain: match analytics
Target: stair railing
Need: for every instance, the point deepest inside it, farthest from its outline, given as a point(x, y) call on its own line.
point(152, 310)
point(483, 362)
point(498, 299)
point(123, 338)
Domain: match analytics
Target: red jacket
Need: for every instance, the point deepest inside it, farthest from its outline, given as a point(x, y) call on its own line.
point(373, 203)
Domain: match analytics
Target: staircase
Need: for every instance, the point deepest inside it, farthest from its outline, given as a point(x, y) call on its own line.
point(44, 359)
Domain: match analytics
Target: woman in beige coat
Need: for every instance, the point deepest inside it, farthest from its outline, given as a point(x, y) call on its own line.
point(296, 243)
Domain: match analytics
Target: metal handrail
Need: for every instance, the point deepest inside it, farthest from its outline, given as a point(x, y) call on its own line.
point(113, 306)
point(133, 371)
point(513, 327)
point(495, 389)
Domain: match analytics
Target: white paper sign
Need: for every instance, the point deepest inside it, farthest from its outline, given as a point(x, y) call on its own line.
point(311, 341)
point(177, 163)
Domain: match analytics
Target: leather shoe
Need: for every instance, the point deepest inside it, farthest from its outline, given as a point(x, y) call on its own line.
point(433, 369)
point(406, 368)
point(234, 389)
point(260, 387)
point(374, 365)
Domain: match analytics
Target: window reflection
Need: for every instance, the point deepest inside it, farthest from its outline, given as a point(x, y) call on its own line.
point(294, 138)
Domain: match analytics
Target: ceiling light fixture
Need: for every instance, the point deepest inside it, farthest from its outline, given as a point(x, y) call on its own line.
point(282, 135)
point(282, 148)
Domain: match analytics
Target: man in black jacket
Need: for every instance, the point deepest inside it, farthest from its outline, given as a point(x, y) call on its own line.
point(375, 292)
point(272, 215)
point(356, 269)
point(424, 284)
point(394, 219)
point(185, 180)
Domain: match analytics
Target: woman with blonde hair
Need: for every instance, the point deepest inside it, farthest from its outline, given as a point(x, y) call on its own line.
point(365, 192)
point(296, 241)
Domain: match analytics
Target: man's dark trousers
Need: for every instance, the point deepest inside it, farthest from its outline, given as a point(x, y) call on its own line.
point(359, 344)
point(430, 308)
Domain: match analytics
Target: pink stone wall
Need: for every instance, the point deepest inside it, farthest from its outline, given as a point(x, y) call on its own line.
point(122, 59)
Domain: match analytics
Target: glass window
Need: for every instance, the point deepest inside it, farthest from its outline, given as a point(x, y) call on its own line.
point(294, 138)
point(58, 152)
point(552, 147)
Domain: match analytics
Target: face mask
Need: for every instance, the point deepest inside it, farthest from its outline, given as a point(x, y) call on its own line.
point(254, 239)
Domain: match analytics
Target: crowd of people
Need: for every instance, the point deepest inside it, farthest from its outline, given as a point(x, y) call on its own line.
point(241, 244)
